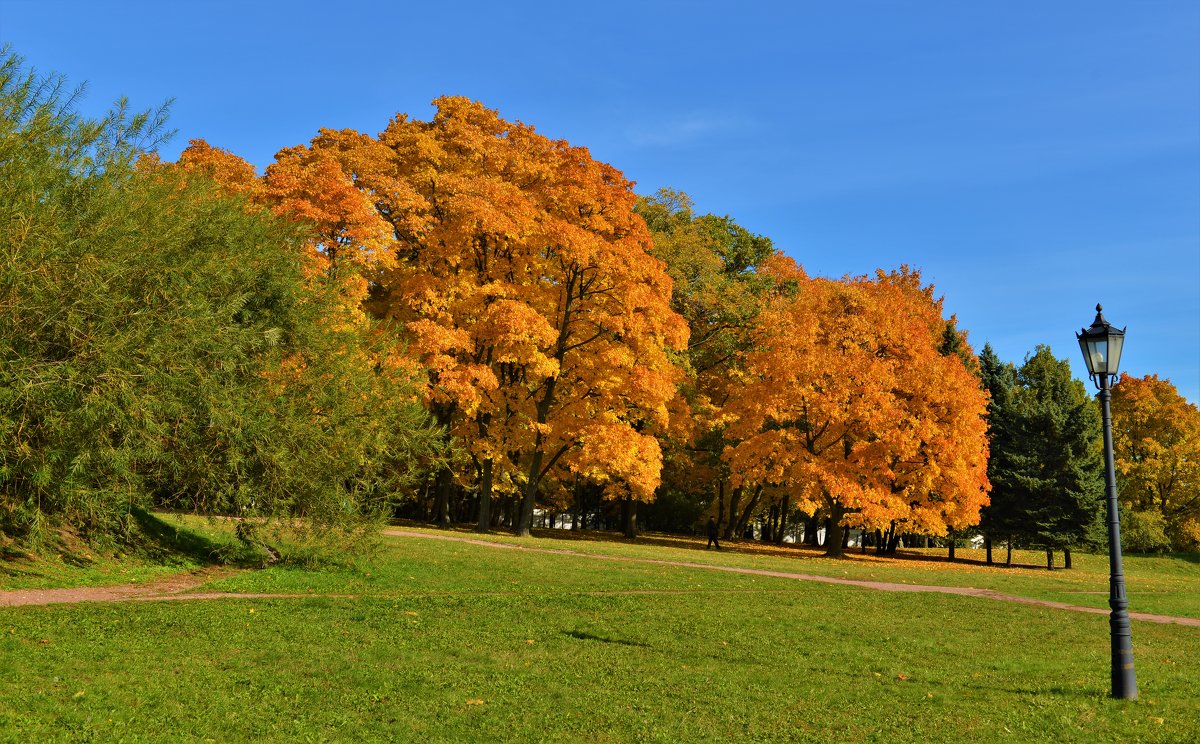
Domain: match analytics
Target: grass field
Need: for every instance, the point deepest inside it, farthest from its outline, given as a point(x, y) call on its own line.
point(437, 641)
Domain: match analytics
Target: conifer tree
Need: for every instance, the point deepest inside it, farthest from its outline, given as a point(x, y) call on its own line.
point(1046, 467)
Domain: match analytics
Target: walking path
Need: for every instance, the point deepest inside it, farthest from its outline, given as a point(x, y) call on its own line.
point(879, 585)
point(178, 587)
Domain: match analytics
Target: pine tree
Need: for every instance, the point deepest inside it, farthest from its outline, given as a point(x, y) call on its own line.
point(1046, 468)
point(1001, 520)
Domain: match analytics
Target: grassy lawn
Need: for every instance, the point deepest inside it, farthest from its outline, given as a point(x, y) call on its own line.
point(1168, 585)
point(456, 642)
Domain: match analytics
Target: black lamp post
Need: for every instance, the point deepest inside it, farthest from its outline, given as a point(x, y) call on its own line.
point(1102, 345)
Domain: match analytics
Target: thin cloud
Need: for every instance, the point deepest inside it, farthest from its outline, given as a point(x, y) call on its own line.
point(685, 130)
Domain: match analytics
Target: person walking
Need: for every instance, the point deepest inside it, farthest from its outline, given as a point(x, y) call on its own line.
point(712, 534)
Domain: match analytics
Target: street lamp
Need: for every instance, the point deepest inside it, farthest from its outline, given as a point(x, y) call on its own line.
point(1101, 345)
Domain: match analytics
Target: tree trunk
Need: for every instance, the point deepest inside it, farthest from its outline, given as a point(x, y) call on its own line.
point(1049, 559)
point(720, 503)
point(525, 520)
point(425, 498)
point(1008, 558)
point(485, 497)
point(952, 548)
point(810, 530)
point(1066, 557)
point(577, 507)
point(834, 530)
point(734, 498)
point(441, 509)
point(987, 544)
point(629, 517)
point(889, 540)
point(781, 528)
point(744, 520)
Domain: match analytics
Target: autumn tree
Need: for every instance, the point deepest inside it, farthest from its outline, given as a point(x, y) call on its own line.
point(846, 400)
point(1156, 442)
point(716, 287)
point(525, 286)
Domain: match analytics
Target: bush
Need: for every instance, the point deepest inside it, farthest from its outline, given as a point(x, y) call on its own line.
point(1143, 532)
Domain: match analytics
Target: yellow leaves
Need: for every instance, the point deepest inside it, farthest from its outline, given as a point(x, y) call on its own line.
point(615, 453)
point(1156, 440)
point(229, 171)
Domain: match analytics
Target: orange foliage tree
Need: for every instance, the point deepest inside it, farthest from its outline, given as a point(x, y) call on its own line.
point(851, 399)
point(524, 284)
point(1156, 443)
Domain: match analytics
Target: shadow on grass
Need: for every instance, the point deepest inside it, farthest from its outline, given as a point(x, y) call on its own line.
point(581, 635)
point(1189, 557)
point(162, 541)
point(734, 545)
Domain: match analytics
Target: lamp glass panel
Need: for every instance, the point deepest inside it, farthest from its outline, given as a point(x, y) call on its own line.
point(1097, 351)
point(1087, 357)
point(1115, 346)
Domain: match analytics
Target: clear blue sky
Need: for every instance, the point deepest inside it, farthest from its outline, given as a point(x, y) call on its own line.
point(1032, 158)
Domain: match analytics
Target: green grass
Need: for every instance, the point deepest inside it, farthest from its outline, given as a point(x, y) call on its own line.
point(455, 642)
point(1168, 585)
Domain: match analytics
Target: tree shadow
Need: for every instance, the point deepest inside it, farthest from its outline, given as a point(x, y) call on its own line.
point(163, 541)
point(740, 545)
point(583, 636)
point(1189, 557)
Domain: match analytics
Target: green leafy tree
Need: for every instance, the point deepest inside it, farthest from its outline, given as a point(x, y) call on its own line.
point(163, 344)
point(713, 263)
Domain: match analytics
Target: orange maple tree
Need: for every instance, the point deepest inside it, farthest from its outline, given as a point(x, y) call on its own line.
point(1156, 443)
point(848, 400)
point(525, 287)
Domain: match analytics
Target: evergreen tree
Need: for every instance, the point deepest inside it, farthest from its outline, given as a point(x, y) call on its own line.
point(1046, 468)
point(1060, 466)
point(1002, 519)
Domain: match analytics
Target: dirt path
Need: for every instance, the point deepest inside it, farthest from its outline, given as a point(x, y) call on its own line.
point(879, 585)
point(178, 587)
point(161, 588)
point(175, 587)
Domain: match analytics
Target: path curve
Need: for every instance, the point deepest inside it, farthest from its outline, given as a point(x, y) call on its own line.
point(164, 588)
point(886, 586)
point(177, 587)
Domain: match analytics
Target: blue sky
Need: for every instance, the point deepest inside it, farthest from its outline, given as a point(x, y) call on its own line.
point(1031, 158)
